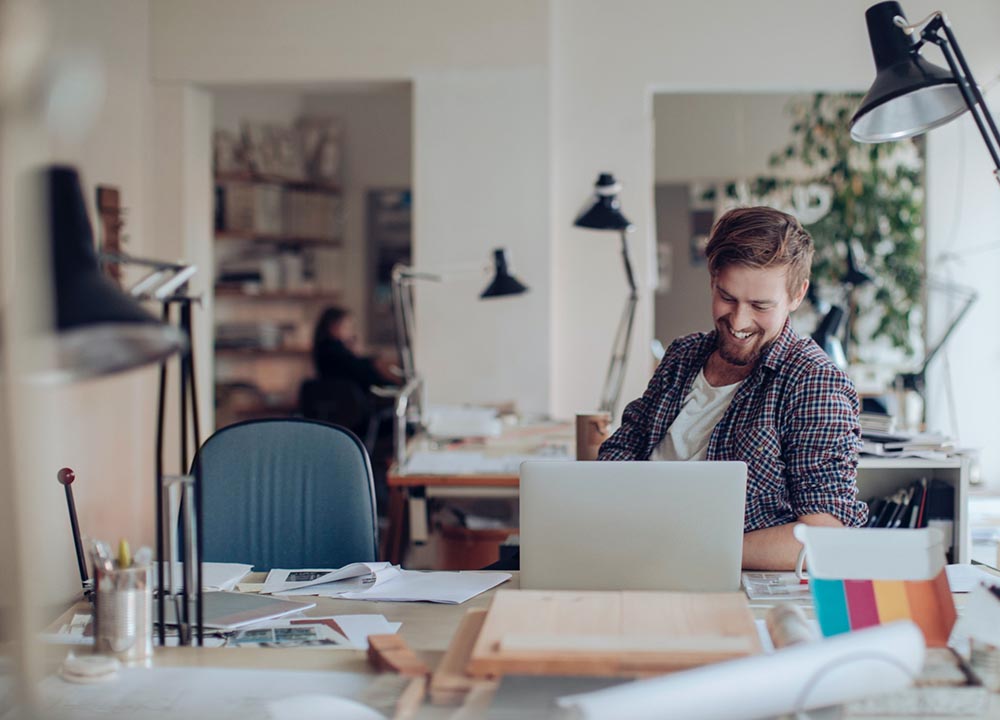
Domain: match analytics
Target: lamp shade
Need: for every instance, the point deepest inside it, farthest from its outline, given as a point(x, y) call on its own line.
point(909, 95)
point(604, 212)
point(503, 282)
point(100, 329)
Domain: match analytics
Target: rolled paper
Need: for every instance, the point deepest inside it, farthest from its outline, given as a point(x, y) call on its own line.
point(837, 670)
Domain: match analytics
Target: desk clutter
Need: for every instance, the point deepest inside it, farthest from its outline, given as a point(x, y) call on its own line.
point(384, 582)
point(535, 652)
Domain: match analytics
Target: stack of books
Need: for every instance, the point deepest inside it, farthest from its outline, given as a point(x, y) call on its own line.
point(932, 446)
point(877, 422)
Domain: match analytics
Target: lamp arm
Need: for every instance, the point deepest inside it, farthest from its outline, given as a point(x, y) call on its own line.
point(967, 85)
point(628, 265)
point(611, 392)
point(970, 299)
point(402, 316)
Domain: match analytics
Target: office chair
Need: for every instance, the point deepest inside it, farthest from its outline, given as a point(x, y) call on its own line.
point(342, 402)
point(287, 493)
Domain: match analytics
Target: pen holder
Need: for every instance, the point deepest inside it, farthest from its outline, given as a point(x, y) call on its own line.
point(123, 617)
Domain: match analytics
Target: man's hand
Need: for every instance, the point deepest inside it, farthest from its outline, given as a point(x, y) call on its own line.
point(775, 548)
point(390, 373)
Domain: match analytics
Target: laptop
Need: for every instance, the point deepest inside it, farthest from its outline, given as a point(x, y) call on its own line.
point(632, 525)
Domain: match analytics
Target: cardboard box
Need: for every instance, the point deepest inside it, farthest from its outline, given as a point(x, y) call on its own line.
point(873, 576)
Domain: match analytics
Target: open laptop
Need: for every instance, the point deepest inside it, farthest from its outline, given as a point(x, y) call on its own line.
point(632, 525)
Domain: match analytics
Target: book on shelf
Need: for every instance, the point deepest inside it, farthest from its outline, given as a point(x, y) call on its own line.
point(913, 506)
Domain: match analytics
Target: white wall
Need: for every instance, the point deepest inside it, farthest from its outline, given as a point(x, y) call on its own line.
point(480, 182)
point(712, 136)
point(963, 214)
point(378, 153)
point(99, 427)
point(461, 53)
point(607, 60)
point(701, 137)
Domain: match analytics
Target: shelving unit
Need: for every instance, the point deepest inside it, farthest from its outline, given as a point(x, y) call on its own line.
point(878, 477)
point(278, 257)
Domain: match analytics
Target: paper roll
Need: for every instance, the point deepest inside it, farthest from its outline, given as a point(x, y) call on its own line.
point(809, 675)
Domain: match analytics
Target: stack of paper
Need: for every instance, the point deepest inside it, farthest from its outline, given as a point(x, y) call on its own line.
point(214, 575)
point(382, 581)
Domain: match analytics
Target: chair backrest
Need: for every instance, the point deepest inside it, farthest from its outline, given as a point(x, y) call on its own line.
point(287, 493)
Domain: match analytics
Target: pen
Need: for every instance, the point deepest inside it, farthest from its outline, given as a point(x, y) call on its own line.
point(124, 555)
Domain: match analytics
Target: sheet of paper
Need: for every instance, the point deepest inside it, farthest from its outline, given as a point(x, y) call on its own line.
point(282, 580)
point(439, 587)
point(963, 578)
point(339, 587)
point(462, 421)
point(163, 693)
point(774, 586)
point(357, 628)
point(869, 662)
point(470, 462)
point(214, 575)
point(287, 634)
point(80, 631)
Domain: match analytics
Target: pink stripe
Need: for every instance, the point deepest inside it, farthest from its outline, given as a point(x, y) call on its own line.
point(861, 605)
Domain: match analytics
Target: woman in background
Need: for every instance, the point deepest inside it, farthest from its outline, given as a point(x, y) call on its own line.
point(335, 353)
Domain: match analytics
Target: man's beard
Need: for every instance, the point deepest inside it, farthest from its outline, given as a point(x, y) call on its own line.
point(749, 355)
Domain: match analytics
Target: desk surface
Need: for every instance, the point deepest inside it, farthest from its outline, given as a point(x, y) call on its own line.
point(427, 628)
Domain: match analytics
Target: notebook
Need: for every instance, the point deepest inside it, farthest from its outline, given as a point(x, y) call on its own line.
point(632, 525)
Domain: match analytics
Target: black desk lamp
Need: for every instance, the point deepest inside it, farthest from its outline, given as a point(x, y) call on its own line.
point(910, 95)
point(503, 284)
point(604, 213)
point(103, 330)
point(100, 329)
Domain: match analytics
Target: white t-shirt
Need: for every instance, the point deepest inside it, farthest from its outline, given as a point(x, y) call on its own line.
point(687, 437)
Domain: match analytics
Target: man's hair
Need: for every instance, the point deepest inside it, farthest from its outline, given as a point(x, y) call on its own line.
point(761, 237)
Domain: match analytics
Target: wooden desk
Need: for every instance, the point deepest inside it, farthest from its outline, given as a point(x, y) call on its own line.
point(427, 628)
point(541, 440)
point(876, 477)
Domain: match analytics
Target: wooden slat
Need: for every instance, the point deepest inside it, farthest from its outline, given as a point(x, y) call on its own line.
point(611, 633)
point(450, 683)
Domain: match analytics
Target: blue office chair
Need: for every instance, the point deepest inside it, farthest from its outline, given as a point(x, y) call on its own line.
point(287, 493)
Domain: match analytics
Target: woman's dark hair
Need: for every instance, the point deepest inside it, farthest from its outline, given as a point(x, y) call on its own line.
point(331, 316)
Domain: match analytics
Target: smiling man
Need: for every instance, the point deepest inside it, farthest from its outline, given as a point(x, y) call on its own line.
point(753, 390)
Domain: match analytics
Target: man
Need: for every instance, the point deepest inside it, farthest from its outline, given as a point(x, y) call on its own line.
point(753, 390)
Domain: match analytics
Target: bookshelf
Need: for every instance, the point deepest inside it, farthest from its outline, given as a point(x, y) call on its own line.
point(278, 246)
point(878, 477)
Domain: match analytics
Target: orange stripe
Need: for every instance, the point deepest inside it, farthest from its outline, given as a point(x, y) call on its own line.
point(934, 617)
point(890, 597)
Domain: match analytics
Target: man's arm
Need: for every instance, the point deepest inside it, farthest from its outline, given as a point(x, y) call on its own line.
point(820, 444)
point(631, 438)
point(775, 548)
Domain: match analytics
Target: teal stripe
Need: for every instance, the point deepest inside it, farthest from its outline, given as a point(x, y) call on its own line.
point(831, 606)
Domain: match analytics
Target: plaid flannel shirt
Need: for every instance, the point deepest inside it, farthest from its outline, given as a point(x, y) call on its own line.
point(793, 421)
